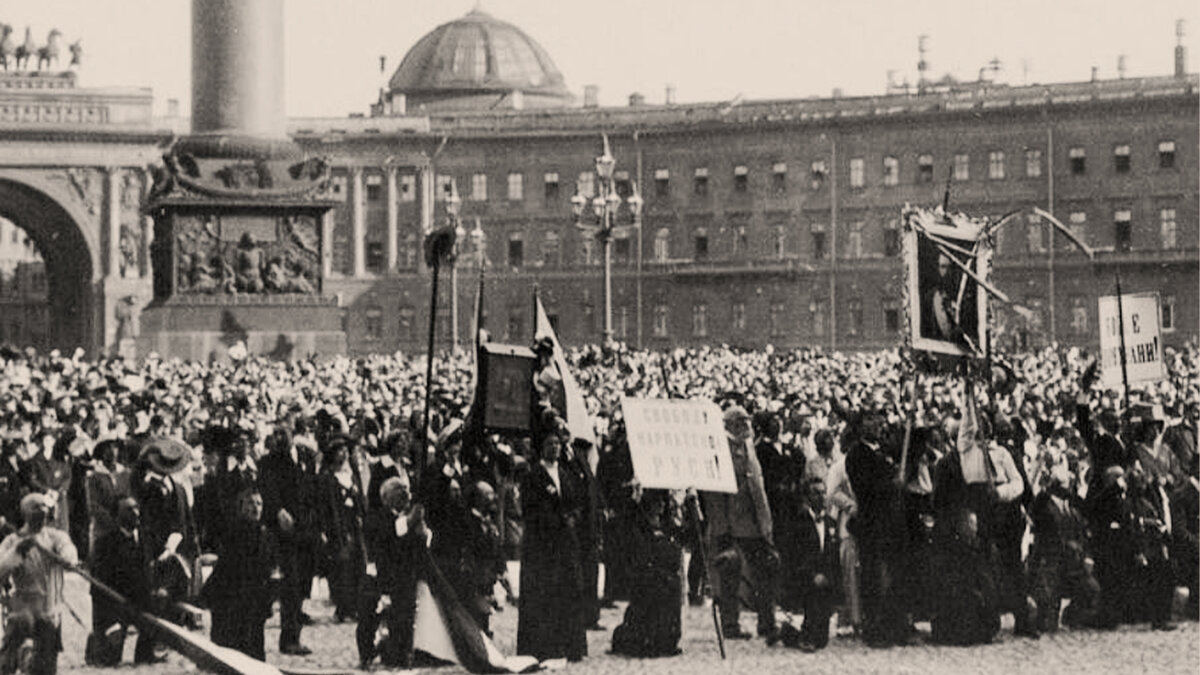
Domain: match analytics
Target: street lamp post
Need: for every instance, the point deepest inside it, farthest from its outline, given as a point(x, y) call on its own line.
point(453, 202)
point(605, 205)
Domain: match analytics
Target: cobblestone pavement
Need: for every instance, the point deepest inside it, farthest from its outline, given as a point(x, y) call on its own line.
point(1132, 649)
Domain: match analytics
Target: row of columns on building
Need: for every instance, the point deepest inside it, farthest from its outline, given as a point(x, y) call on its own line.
point(358, 218)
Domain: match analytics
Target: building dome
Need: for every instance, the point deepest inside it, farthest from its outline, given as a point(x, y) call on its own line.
point(478, 61)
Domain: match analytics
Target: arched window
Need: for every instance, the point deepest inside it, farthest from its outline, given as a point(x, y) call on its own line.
point(662, 245)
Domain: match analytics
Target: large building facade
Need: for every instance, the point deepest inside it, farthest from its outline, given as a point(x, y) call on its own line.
point(765, 222)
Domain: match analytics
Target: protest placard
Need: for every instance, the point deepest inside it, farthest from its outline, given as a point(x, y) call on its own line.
point(678, 444)
point(1143, 343)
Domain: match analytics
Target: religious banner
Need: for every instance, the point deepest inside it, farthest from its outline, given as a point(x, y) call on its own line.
point(677, 444)
point(1143, 342)
point(947, 258)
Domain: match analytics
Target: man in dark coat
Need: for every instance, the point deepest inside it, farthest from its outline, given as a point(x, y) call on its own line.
point(121, 562)
point(287, 480)
point(879, 530)
point(816, 562)
point(239, 590)
point(396, 538)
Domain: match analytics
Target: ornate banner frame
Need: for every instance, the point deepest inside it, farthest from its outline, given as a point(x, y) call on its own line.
point(947, 310)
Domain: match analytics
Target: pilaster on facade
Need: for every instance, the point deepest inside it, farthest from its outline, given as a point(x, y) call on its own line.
point(112, 222)
point(393, 219)
point(147, 226)
point(358, 223)
point(328, 223)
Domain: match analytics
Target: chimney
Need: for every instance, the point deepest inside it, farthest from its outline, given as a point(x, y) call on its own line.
point(1095, 73)
point(837, 92)
point(922, 64)
point(1121, 66)
point(1180, 51)
point(669, 97)
point(399, 104)
point(591, 96)
point(172, 107)
point(636, 99)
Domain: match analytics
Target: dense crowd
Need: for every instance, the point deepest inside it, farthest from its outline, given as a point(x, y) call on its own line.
point(864, 491)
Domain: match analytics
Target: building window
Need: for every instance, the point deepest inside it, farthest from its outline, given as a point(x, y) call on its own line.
point(1079, 315)
point(818, 310)
point(1121, 161)
point(662, 245)
point(1123, 229)
point(1166, 155)
point(854, 240)
point(406, 324)
point(622, 185)
point(817, 173)
point(857, 172)
point(925, 169)
point(407, 185)
point(375, 261)
point(700, 245)
point(700, 182)
point(662, 315)
point(373, 323)
point(779, 177)
point(739, 240)
point(445, 187)
point(516, 186)
point(891, 315)
point(1167, 228)
point(891, 237)
point(587, 251)
point(962, 166)
point(1168, 313)
point(775, 319)
point(516, 250)
point(1033, 163)
point(891, 171)
point(662, 183)
point(551, 250)
point(550, 187)
point(854, 313)
point(1035, 234)
point(1077, 223)
point(739, 316)
point(741, 178)
point(780, 242)
point(700, 320)
point(374, 187)
point(515, 330)
point(1078, 157)
point(819, 250)
point(479, 187)
point(621, 250)
point(585, 186)
point(408, 250)
point(996, 165)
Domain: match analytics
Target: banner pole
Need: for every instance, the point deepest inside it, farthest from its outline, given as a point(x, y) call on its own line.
point(433, 302)
point(1121, 333)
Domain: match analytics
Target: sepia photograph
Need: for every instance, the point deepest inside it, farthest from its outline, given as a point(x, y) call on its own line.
point(650, 336)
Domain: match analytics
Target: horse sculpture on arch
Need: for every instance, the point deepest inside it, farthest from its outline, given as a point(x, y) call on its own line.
point(76, 48)
point(8, 46)
point(26, 49)
point(48, 54)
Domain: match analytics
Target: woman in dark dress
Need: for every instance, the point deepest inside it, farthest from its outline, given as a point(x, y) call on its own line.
point(341, 513)
point(551, 620)
point(652, 620)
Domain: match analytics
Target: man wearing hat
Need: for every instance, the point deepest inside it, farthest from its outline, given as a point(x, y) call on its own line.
point(741, 528)
point(35, 603)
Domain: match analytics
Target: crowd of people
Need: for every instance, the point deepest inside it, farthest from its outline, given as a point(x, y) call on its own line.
point(864, 491)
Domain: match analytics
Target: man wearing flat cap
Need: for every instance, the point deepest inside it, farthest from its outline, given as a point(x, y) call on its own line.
point(740, 526)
